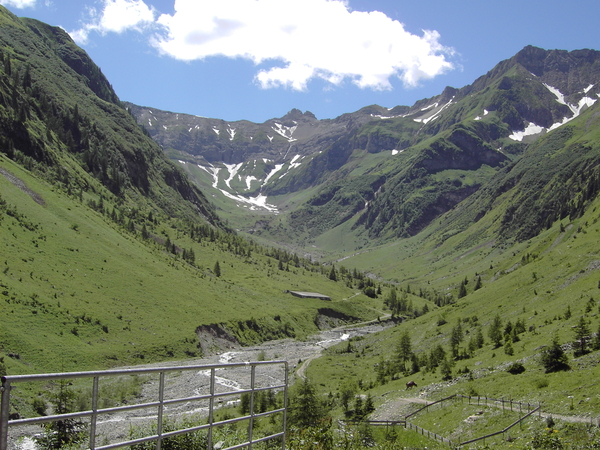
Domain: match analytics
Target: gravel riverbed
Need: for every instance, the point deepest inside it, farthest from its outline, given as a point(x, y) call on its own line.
point(186, 383)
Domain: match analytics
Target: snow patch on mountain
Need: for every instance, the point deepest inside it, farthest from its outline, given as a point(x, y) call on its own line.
point(530, 130)
point(435, 112)
point(285, 131)
point(575, 109)
point(485, 113)
point(277, 168)
point(254, 203)
point(379, 116)
point(295, 162)
point(216, 130)
point(233, 171)
point(231, 132)
point(214, 172)
point(249, 181)
point(584, 102)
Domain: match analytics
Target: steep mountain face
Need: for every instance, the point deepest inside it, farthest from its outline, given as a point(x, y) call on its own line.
point(61, 117)
point(389, 171)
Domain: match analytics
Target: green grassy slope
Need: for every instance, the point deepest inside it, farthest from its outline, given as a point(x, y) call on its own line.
point(549, 283)
point(108, 251)
point(81, 291)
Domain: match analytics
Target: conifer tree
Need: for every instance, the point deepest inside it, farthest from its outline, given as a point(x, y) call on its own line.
point(582, 335)
point(554, 358)
point(495, 331)
point(332, 274)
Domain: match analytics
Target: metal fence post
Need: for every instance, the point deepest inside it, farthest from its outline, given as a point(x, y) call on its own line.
point(251, 426)
point(211, 401)
point(161, 406)
point(94, 413)
point(4, 413)
point(285, 405)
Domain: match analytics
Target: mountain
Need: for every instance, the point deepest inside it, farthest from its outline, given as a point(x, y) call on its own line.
point(110, 255)
point(388, 172)
point(476, 204)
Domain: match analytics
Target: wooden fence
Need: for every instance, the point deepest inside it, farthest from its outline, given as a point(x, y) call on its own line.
point(485, 401)
point(525, 411)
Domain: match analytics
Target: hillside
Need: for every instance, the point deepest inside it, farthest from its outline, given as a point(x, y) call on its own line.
point(110, 255)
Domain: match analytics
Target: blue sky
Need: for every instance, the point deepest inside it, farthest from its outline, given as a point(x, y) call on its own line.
point(258, 59)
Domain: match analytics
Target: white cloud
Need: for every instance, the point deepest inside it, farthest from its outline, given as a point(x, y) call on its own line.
point(116, 16)
point(302, 40)
point(19, 3)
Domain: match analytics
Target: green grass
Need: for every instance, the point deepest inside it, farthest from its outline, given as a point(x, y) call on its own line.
point(535, 281)
point(79, 292)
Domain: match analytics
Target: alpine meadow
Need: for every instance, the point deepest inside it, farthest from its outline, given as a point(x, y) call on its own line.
point(465, 226)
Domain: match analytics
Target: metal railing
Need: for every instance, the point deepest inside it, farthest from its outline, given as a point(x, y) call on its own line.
point(213, 398)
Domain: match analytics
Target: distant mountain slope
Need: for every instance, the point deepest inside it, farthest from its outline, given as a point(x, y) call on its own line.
point(390, 172)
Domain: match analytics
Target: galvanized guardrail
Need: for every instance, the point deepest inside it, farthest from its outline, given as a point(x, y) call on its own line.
point(9, 381)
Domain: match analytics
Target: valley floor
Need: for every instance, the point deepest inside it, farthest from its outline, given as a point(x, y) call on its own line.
point(116, 428)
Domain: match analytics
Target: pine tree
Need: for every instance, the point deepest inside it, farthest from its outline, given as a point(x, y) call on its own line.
point(305, 409)
point(477, 284)
point(332, 274)
point(582, 335)
point(217, 269)
point(456, 337)
point(445, 370)
point(495, 331)
point(403, 351)
point(66, 432)
point(554, 358)
point(596, 340)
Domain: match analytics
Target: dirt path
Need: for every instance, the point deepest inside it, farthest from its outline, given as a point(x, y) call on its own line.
point(21, 185)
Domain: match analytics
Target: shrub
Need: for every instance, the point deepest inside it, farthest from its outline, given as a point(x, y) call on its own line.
point(541, 383)
point(516, 368)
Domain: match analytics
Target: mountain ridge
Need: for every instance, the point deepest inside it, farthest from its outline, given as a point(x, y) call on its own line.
point(483, 125)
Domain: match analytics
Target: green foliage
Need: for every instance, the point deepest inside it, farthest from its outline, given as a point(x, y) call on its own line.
point(66, 432)
point(547, 439)
point(582, 336)
point(495, 331)
point(553, 358)
point(516, 368)
point(305, 408)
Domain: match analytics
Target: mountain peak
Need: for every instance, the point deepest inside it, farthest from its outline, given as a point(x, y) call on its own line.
point(296, 114)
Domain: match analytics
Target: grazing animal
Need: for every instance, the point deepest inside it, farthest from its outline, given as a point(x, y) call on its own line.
point(411, 384)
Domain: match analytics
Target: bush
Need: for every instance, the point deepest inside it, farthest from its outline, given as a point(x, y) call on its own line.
point(516, 368)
